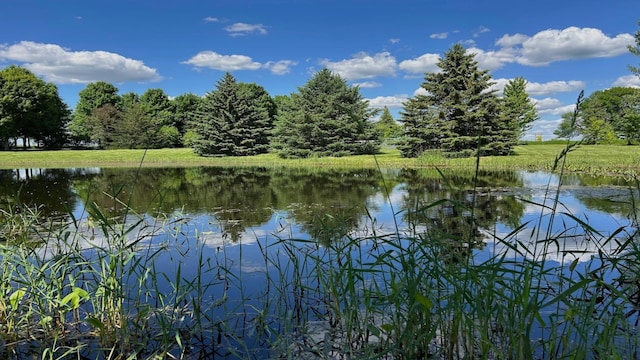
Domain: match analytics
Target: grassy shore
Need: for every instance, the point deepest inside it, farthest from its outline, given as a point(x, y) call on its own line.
point(595, 159)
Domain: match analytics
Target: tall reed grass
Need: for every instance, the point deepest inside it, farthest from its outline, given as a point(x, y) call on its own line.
point(102, 286)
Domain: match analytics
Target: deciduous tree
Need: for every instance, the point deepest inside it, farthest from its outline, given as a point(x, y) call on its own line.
point(30, 108)
point(92, 97)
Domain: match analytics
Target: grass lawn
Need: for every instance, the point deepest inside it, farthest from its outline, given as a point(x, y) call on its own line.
point(595, 159)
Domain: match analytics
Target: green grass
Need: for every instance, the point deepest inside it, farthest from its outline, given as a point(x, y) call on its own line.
point(594, 159)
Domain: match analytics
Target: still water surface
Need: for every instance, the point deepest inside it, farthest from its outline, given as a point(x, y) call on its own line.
point(237, 213)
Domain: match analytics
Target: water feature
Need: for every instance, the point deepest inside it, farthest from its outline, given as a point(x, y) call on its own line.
point(234, 226)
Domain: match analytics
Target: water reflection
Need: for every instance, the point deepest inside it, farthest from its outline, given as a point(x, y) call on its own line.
point(328, 205)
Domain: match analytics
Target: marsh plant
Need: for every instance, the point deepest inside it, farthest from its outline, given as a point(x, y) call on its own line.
point(113, 283)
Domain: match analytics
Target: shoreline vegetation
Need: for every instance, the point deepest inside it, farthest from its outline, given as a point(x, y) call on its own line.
point(610, 160)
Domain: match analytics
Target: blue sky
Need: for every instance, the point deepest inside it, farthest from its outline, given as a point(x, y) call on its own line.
point(561, 47)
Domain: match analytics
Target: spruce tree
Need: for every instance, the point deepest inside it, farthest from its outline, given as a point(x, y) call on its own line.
point(235, 119)
point(325, 118)
point(387, 126)
point(467, 116)
point(518, 107)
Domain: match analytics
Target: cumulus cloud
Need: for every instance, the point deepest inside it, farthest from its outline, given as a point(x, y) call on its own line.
point(440, 36)
point(367, 84)
point(551, 87)
point(627, 81)
point(547, 103)
point(363, 66)
point(536, 89)
point(215, 61)
point(394, 101)
point(60, 65)
point(492, 60)
point(553, 45)
point(422, 64)
point(211, 19)
point(280, 67)
point(241, 29)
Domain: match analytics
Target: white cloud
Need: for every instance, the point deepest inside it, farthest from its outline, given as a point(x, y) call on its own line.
point(363, 66)
point(492, 60)
point(481, 30)
point(211, 19)
point(422, 64)
point(551, 87)
point(63, 66)
point(213, 60)
point(367, 84)
point(217, 61)
point(394, 41)
point(420, 91)
point(440, 36)
point(627, 81)
point(552, 45)
point(241, 29)
point(547, 103)
point(394, 101)
point(280, 67)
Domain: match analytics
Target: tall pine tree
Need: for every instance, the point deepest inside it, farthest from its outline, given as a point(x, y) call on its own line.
point(325, 118)
point(518, 107)
point(463, 115)
point(235, 119)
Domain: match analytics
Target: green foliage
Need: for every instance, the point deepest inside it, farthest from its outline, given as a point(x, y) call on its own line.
point(185, 107)
point(30, 109)
point(606, 115)
point(235, 119)
point(635, 50)
point(387, 127)
point(458, 114)
point(518, 107)
point(92, 97)
point(325, 118)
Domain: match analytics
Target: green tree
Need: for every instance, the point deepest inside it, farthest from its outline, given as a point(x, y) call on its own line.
point(185, 107)
point(325, 118)
point(103, 125)
point(235, 119)
point(566, 129)
point(635, 50)
point(610, 112)
point(92, 97)
point(162, 114)
point(421, 129)
point(30, 108)
point(518, 107)
point(467, 116)
point(387, 127)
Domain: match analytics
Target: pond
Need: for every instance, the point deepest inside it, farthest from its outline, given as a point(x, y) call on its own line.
point(281, 262)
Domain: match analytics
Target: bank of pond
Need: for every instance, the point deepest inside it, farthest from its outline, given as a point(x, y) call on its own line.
point(254, 262)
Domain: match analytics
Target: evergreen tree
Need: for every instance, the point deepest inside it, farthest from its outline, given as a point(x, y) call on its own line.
point(325, 118)
point(421, 130)
point(518, 107)
point(235, 119)
point(467, 115)
point(387, 126)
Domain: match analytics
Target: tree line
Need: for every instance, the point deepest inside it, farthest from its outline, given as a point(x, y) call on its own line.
point(457, 113)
